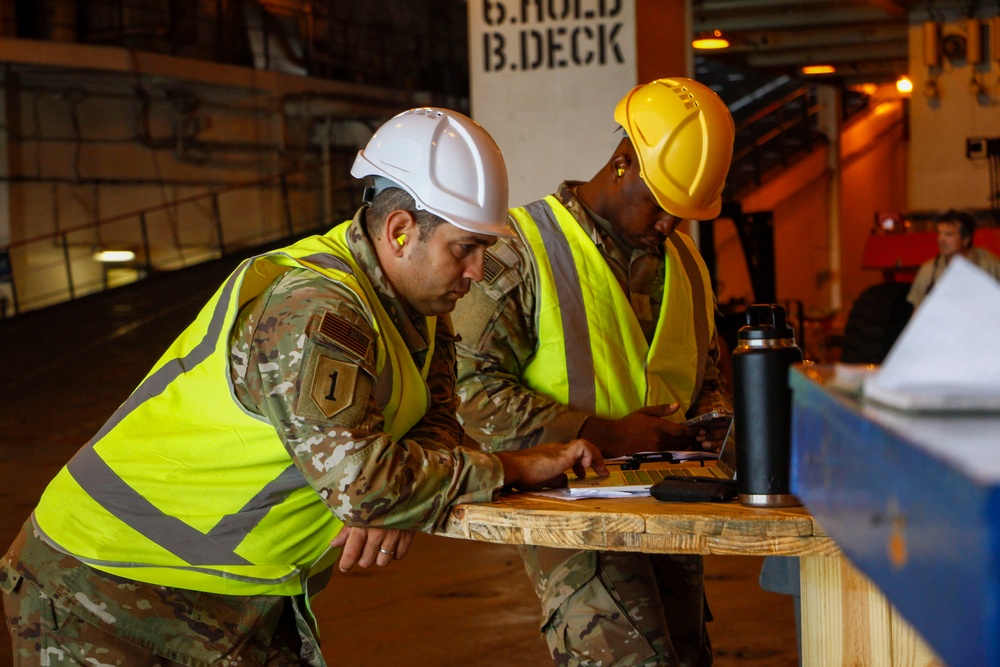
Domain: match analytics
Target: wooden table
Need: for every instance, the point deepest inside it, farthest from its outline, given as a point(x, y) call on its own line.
point(845, 619)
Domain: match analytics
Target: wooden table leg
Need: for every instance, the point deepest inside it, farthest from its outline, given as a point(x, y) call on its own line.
point(846, 621)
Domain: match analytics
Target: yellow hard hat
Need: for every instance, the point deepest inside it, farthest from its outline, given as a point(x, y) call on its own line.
point(683, 135)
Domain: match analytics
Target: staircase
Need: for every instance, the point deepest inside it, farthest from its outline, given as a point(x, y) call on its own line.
point(776, 120)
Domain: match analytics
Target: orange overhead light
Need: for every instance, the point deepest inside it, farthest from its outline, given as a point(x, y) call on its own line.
point(819, 69)
point(712, 39)
point(904, 85)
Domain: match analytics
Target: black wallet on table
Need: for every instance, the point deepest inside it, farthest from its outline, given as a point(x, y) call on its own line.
point(694, 489)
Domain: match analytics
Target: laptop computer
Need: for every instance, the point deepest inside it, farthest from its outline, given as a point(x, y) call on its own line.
point(638, 481)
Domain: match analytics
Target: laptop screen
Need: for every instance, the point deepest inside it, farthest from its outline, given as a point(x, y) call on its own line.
point(727, 455)
point(629, 482)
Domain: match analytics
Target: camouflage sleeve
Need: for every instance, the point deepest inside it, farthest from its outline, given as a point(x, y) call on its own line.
point(439, 428)
point(322, 401)
point(495, 323)
point(714, 394)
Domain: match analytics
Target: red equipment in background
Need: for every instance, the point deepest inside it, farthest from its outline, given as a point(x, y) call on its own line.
point(899, 244)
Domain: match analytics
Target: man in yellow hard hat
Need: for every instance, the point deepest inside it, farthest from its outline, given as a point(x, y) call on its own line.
point(311, 404)
point(598, 322)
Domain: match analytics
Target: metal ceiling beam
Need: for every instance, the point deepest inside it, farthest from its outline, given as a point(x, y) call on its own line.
point(828, 55)
point(833, 36)
point(867, 40)
point(816, 17)
point(893, 8)
point(867, 67)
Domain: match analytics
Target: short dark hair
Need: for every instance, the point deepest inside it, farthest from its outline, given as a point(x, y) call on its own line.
point(397, 199)
point(966, 223)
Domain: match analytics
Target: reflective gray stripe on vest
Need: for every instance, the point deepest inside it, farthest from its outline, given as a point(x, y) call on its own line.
point(698, 300)
point(102, 484)
point(327, 261)
point(233, 528)
point(579, 360)
point(97, 562)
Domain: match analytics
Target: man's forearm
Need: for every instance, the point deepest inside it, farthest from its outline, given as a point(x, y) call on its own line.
point(503, 415)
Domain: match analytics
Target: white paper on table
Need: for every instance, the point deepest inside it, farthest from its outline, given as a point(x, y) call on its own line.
point(596, 492)
point(946, 358)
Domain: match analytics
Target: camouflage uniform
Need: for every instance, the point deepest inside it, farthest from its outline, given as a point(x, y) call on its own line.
point(61, 611)
point(597, 608)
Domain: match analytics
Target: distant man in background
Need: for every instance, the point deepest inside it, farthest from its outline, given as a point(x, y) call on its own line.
point(597, 322)
point(955, 230)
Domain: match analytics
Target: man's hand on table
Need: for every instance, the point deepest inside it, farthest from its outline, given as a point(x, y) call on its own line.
point(545, 465)
point(368, 546)
point(713, 435)
point(644, 430)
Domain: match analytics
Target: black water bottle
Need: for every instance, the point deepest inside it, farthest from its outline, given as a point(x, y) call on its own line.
point(763, 406)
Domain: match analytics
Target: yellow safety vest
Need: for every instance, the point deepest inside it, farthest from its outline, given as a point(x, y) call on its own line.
point(592, 354)
point(183, 487)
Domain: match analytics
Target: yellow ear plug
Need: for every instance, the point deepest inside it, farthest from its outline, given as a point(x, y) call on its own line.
point(401, 239)
point(621, 172)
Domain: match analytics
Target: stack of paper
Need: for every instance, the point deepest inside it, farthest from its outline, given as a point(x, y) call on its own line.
point(946, 358)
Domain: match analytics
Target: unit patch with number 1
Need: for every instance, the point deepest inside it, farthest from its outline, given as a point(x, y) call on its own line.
point(330, 384)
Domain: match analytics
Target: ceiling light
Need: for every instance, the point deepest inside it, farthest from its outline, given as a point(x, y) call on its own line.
point(904, 85)
point(710, 40)
point(819, 69)
point(114, 256)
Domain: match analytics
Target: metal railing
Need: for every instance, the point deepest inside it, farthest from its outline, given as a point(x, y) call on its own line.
point(347, 41)
point(62, 265)
point(773, 136)
point(785, 129)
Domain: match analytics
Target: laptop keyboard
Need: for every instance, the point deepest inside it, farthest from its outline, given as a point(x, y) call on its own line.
point(706, 471)
point(654, 475)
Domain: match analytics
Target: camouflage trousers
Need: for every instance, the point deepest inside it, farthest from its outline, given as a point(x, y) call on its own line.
point(61, 612)
point(624, 609)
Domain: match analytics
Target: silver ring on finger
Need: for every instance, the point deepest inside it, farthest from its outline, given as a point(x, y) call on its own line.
point(383, 551)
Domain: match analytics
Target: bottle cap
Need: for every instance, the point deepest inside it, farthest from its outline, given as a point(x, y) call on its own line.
point(765, 321)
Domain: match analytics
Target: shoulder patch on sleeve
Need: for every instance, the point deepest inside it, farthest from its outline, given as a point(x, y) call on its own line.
point(501, 269)
point(492, 268)
point(330, 387)
point(346, 335)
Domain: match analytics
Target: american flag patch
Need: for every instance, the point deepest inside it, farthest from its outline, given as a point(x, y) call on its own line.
point(345, 334)
point(492, 267)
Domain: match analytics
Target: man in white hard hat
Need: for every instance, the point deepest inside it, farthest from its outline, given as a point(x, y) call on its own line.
point(597, 321)
point(310, 405)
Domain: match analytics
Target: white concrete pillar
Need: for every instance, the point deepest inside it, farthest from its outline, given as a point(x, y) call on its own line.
point(829, 124)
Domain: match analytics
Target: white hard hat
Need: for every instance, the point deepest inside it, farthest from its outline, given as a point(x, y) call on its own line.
point(447, 162)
